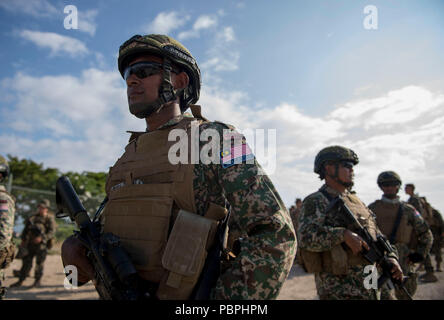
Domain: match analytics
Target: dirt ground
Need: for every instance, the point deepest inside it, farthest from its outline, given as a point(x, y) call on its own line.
point(299, 285)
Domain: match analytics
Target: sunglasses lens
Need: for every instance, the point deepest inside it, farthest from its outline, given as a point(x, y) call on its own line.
point(347, 165)
point(142, 70)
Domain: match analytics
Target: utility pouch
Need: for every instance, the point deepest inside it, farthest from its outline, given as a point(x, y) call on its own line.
point(312, 261)
point(184, 255)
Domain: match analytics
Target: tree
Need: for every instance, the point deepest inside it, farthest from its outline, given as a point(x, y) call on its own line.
point(31, 183)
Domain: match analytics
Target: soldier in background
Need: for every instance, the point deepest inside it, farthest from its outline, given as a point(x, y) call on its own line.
point(7, 211)
point(329, 249)
point(416, 201)
point(404, 227)
point(37, 237)
point(295, 211)
point(435, 221)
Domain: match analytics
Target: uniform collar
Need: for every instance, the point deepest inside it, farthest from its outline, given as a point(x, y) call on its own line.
point(334, 192)
point(173, 121)
point(2, 188)
point(392, 201)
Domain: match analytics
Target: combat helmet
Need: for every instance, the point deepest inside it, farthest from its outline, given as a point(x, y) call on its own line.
point(172, 52)
point(335, 154)
point(390, 177)
point(4, 167)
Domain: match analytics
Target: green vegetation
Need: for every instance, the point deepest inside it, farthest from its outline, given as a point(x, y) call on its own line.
point(31, 183)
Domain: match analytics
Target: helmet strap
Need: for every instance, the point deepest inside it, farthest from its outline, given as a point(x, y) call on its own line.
point(166, 94)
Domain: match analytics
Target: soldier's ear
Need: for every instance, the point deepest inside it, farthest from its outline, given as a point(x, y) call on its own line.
point(181, 80)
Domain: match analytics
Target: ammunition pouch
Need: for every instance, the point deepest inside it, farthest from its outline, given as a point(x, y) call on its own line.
point(336, 261)
point(185, 254)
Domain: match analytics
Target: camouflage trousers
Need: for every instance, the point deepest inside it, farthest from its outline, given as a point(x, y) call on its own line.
point(344, 287)
point(436, 251)
point(40, 257)
point(2, 288)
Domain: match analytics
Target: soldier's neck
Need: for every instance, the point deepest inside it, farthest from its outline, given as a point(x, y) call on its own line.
point(335, 185)
point(168, 111)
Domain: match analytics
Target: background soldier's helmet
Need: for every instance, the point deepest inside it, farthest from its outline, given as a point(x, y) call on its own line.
point(45, 203)
point(4, 167)
point(335, 154)
point(388, 176)
point(166, 47)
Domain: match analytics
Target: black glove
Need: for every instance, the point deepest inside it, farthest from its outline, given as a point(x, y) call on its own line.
point(415, 257)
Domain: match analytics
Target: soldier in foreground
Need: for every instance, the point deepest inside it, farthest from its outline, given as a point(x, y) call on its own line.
point(37, 238)
point(161, 210)
point(404, 227)
point(329, 249)
point(416, 201)
point(7, 211)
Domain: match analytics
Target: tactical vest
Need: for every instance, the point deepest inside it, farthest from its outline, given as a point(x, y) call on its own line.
point(152, 209)
point(427, 212)
point(386, 214)
point(340, 257)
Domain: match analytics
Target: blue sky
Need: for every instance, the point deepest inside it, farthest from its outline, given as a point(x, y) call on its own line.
point(308, 69)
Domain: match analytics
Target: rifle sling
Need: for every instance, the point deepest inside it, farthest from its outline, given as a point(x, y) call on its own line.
point(392, 238)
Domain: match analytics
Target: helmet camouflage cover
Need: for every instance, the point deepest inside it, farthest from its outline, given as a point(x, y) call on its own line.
point(4, 167)
point(165, 47)
point(389, 176)
point(335, 154)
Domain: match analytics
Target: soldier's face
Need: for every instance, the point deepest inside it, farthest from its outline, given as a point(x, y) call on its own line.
point(345, 173)
point(390, 191)
point(144, 90)
point(408, 190)
point(42, 210)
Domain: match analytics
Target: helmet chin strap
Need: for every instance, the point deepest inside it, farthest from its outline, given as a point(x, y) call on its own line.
point(335, 177)
point(166, 94)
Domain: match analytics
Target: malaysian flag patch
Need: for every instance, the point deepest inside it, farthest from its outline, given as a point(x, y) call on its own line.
point(236, 155)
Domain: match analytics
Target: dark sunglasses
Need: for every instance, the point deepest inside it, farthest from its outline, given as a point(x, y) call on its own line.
point(347, 164)
point(389, 184)
point(142, 69)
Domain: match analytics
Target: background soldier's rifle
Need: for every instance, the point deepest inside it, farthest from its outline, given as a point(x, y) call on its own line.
point(379, 248)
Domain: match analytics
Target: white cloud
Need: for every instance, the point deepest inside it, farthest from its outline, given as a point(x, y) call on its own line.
point(87, 21)
point(83, 121)
point(57, 43)
point(166, 22)
point(408, 139)
point(35, 8)
point(202, 22)
point(223, 53)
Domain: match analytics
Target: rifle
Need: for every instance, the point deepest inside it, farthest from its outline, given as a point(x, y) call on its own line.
point(211, 269)
point(379, 248)
point(115, 275)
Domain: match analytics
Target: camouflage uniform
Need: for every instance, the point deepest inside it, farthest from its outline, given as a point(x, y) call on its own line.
point(437, 229)
point(319, 232)
point(294, 214)
point(7, 210)
point(415, 201)
point(259, 221)
point(35, 226)
point(423, 240)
